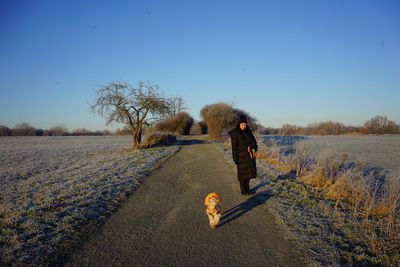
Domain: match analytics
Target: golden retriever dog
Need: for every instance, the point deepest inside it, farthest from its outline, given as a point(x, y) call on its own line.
point(212, 202)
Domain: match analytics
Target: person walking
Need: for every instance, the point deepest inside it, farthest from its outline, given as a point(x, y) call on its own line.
point(244, 153)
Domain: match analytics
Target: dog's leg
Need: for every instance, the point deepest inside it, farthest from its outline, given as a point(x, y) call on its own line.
point(212, 223)
point(217, 219)
point(210, 218)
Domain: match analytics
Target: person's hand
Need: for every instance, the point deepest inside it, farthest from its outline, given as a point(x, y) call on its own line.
point(255, 154)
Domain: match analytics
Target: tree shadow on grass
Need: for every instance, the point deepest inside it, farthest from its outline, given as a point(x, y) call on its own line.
point(244, 207)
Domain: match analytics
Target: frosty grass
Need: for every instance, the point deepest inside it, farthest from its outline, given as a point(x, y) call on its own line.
point(51, 187)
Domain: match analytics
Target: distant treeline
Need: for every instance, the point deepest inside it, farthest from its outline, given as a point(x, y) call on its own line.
point(180, 124)
point(376, 125)
point(217, 120)
point(24, 129)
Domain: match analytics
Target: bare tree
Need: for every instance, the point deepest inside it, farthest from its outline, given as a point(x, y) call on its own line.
point(381, 125)
point(122, 103)
point(177, 104)
point(23, 129)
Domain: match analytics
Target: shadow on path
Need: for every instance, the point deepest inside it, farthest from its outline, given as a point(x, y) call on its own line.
point(192, 142)
point(244, 207)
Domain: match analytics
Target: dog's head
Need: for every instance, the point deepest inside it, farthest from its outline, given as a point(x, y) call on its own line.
point(212, 200)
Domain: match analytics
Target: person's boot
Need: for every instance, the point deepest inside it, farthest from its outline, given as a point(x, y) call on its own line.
point(250, 192)
point(243, 188)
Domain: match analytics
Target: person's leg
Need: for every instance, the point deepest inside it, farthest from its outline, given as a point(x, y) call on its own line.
point(247, 185)
point(243, 188)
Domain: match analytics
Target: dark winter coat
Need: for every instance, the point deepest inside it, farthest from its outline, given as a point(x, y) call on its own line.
point(246, 166)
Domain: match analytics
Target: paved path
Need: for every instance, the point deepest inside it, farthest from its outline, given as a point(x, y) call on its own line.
point(164, 223)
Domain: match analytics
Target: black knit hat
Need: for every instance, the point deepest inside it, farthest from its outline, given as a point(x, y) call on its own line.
point(242, 119)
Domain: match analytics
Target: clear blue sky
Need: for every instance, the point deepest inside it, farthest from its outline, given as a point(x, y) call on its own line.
point(282, 61)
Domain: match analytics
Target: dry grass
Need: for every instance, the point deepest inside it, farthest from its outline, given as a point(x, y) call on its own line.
point(323, 173)
point(268, 153)
point(361, 196)
point(389, 203)
point(328, 234)
point(366, 204)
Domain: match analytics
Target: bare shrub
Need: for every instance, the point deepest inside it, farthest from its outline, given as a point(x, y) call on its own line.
point(5, 131)
point(158, 139)
point(23, 129)
point(381, 125)
point(219, 117)
point(180, 123)
point(222, 117)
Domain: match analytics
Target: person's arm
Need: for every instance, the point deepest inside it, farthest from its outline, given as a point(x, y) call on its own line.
point(253, 141)
point(234, 144)
point(254, 145)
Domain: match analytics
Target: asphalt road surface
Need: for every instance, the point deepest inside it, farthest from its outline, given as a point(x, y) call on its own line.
point(164, 222)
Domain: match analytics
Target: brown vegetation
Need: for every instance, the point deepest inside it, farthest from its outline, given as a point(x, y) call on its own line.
point(180, 124)
point(372, 202)
point(23, 129)
point(221, 118)
point(158, 139)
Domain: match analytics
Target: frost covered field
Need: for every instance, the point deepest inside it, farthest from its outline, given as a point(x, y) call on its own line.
point(51, 187)
point(377, 151)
